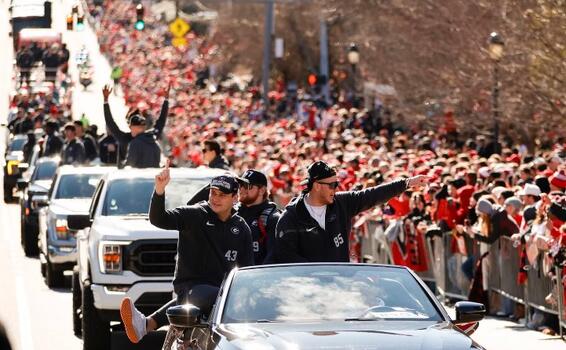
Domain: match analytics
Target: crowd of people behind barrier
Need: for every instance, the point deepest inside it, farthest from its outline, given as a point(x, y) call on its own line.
point(476, 194)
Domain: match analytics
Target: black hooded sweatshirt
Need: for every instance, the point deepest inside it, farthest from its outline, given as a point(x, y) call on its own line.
point(207, 248)
point(146, 151)
point(263, 245)
point(299, 238)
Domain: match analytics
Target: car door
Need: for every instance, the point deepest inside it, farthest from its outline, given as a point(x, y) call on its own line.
point(43, 215)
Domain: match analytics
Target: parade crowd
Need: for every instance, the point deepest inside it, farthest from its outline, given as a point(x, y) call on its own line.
point(303, 158)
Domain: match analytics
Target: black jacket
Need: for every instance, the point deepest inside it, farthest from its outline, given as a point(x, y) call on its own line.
point(73, 152)
point(207, 248)
point(219, 163)
point(91, 148)
point(263, 246)
point(299, 238)
point(143, 152)
point(108, 156)
point(124, 138)
point(52, 145)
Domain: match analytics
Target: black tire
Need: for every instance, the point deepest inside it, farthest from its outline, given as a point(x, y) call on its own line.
point(43, 267)
point(53, 277)
point(29, 239)
point(96, 332)
point(76, 290)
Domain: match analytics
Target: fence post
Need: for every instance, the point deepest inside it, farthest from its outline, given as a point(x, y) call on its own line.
point(560, 301)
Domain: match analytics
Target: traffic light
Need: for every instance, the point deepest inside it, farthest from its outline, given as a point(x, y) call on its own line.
point(140, 24)
point(312, 79)
point(70, 22)
point(80, 22)
point(75, 9)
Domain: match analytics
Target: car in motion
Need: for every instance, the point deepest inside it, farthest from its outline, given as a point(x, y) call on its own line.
point(70, 193)
point(121, 254)
point(324, 306)
point(33, 197)
point(12, 158)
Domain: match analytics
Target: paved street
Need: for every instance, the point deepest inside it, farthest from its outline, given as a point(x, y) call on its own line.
point(37, 317)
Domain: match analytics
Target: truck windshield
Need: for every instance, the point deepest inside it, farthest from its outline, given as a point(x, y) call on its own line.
point(132, 196)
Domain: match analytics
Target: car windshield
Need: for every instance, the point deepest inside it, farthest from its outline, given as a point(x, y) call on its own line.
point(321, 293)
point(77, 186)
point(16, 145)
point(45, 171)
point(132, 196)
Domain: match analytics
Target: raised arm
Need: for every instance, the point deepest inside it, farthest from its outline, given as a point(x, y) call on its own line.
point(160, 124)
point(122, 137)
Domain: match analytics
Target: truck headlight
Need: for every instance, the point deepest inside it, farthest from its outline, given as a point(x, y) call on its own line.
point(61, 229)
point(110, 256)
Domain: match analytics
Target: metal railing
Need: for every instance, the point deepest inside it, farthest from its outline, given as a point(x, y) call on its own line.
point(503, 267)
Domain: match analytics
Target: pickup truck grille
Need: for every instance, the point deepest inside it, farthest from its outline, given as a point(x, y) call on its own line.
point(151, 257)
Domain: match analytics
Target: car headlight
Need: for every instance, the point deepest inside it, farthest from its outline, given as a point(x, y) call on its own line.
point(61, 229)
point(110, 256)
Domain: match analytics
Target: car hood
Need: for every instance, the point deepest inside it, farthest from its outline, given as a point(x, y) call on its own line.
point(130, 228)
point(40, 186)
point(69, 206)
point(382, 335)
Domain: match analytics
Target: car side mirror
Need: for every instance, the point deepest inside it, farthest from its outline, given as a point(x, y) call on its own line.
point(184, 316)
point(468, 312)
point(22, 184)
point(78, 221)
point(40, 200)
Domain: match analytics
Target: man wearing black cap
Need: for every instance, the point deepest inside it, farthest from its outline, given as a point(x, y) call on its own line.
point(315, 226)
point(260, 214)
point(143, 150)
point(73, 151)
point(52, 143)
point(212, 240)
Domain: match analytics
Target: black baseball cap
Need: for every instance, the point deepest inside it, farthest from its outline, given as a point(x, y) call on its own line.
point(317, 171)
point(137, 119)
point(254, 177)
point(225, 183)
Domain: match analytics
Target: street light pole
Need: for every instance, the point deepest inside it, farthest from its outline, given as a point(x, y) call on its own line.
point(495, 95)
point(267, 32)
point(495, 52)
point(353, 58)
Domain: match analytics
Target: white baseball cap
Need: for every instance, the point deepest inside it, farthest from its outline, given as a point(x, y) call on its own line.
point(529, 190)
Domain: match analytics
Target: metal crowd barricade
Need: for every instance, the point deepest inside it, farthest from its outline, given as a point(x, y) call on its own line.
point(539, 285)
point(561, 302)
point(505, 263)
point(374, 244)
point(451, 280)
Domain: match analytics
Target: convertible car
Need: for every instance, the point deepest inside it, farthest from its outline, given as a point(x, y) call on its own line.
point(322, 306)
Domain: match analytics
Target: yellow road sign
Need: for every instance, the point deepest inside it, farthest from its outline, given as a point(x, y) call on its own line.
point(179, 27)
point(179, 42)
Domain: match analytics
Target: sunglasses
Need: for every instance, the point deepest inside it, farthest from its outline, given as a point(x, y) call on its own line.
point(333, 185)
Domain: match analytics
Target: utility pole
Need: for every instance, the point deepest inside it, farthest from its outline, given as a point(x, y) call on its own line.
point(267, 33)
point(324, 59)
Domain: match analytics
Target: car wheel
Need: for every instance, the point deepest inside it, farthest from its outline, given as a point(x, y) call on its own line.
point(29, 239)
point(76, 290)
point(43, 267)
point(53, 277)
point(96, 332)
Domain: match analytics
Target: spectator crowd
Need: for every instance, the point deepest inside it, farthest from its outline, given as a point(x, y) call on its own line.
point(478, 190)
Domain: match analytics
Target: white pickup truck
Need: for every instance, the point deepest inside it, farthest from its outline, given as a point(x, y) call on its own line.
point(121, 254)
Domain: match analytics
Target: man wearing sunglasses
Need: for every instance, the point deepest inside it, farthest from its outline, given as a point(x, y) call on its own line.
point(260, 214)
point(315, 226)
